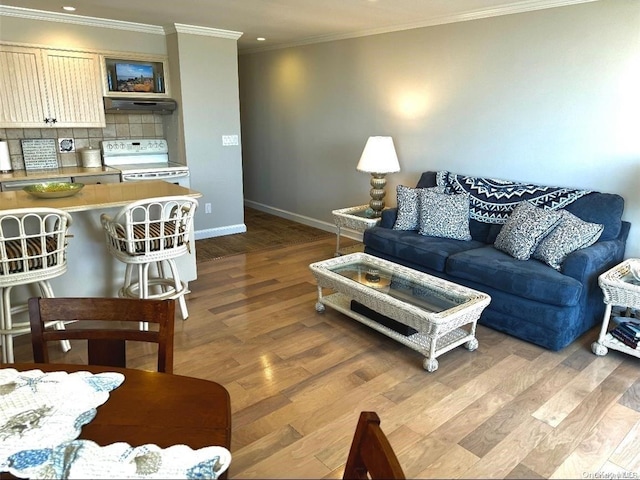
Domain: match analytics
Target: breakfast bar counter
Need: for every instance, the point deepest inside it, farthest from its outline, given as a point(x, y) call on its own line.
point(95, 197)
point(91, 270)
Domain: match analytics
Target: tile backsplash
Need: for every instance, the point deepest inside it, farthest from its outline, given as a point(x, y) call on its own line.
point(133, 125)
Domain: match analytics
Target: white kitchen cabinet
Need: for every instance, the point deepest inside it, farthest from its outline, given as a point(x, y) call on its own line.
point(45, 87)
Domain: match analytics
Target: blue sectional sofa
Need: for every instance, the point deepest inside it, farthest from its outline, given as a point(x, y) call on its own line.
point(529, 299)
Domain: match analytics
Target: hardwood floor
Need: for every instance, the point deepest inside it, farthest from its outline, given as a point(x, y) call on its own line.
point(298, 381)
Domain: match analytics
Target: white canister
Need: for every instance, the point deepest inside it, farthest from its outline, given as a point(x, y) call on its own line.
point(90, 157)
point(5, 158)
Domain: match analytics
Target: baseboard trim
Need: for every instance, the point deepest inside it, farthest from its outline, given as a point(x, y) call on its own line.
point(220, 231)
point(311, 222)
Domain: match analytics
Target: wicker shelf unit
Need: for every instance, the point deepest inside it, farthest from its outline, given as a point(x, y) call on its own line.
point(621, 289)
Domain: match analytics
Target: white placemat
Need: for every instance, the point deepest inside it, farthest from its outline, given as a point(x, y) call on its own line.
point(82, 459)
point(43, 410)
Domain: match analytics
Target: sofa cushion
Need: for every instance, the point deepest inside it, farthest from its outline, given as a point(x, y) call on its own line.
point(529, 279)
point(409, 206)
point(445, 216)
point(525, 228)
point(570, 235)
point(604, 208)
point(430, 252)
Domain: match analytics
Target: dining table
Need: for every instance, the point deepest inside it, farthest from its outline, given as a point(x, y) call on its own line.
point(154, 408)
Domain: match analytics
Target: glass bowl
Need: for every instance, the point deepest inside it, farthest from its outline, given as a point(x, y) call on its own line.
point(53, 189)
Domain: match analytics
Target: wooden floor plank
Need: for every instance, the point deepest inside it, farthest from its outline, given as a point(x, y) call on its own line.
point(598, 445)
point(574, 391)
point(554, 449)
point(507, 454)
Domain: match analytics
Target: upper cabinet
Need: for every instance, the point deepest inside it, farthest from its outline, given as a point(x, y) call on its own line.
point(135, 76)
point(44, 87)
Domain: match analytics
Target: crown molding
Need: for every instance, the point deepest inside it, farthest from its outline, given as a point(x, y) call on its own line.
point(520, 7)
point(116, 24)
point(78, 20)
point(196, 30)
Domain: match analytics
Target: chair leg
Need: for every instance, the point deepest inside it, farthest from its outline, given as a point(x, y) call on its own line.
point(127, 281)
point(178, 286)
point(7, 338)
point(47, 292)
point(143, 283)
point(3, 327)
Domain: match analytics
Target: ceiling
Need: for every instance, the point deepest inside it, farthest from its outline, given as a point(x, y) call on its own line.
point(290, 22)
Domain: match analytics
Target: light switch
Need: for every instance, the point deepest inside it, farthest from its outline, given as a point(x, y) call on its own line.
point(229, 140)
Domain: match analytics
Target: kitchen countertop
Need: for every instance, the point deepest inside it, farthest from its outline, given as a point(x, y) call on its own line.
point(99, 196)
point(56, 173)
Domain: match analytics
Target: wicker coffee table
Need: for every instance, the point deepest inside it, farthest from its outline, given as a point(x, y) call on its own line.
point(423, 312)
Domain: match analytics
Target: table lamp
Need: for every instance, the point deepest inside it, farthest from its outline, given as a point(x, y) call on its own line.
point(378, 158)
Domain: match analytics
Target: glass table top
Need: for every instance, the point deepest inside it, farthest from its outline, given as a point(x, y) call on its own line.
point(403, 287)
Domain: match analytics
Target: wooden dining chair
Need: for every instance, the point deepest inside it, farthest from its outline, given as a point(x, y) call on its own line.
point(371, 455)
point(106, 344)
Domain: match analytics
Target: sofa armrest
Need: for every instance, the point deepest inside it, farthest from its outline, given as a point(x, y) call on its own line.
point(388, 217)
point(583, 264)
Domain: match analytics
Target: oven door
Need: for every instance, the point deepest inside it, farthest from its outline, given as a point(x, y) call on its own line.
point(179, 177)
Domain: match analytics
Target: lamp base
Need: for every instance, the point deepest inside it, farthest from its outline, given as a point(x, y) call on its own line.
point(377, 193)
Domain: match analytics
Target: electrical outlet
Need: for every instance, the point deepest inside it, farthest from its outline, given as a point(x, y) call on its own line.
point(207, 208)
point(229, 140)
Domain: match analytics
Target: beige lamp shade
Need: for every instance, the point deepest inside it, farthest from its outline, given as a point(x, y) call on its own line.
point(379, 156)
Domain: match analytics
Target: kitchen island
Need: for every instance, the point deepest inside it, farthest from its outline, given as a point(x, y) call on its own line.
point(92, 271)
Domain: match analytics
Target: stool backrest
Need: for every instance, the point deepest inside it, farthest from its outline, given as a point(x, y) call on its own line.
point(33, 244)
point(154, 226)
point(114, 318)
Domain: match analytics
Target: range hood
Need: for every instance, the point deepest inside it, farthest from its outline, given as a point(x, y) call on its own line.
point(139, 105)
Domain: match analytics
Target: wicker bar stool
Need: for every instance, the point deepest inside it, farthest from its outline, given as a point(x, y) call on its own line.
point(33, 247)
point(150, 232)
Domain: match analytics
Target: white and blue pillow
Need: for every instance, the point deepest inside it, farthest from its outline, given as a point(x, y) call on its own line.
point(525, 228)
point(443, 215)
point(409, 208)
point(571, 234)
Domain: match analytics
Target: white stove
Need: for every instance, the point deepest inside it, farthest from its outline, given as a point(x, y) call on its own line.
point(143, 159)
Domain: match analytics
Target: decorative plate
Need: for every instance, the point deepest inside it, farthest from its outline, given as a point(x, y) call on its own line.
point(53, 189)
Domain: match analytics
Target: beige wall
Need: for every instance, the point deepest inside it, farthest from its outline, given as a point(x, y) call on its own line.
point(209, 99)
point(550, 96)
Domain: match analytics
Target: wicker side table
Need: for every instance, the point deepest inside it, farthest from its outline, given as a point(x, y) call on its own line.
point(353, 218)
point(621, 289)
